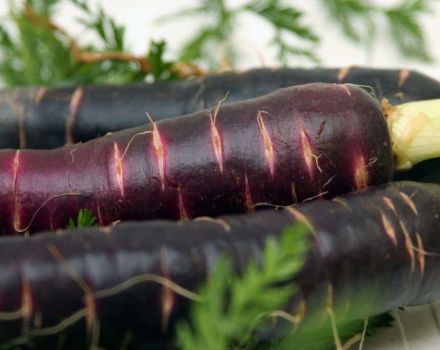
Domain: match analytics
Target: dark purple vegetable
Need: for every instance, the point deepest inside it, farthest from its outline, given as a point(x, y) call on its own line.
point(130, 283)
point(296, 144)
point(40, 118)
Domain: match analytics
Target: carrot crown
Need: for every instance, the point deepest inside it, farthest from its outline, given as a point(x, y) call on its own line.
point(414, 130)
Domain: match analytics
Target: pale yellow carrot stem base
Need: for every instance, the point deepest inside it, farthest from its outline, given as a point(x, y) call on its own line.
point(415, 131)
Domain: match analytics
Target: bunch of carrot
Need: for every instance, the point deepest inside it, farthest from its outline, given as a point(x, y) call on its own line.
point(300, 148)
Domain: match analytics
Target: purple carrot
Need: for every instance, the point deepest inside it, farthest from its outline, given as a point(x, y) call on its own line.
point(78, 114)
point(131, 283)
point(296, 144)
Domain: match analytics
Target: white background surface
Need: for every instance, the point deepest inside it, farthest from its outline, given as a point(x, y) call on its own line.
point(419, 326)
point(253, 33)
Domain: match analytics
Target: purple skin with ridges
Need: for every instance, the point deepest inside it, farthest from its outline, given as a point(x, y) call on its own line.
point(80, 113)
point(298, 143)
point(134, 281)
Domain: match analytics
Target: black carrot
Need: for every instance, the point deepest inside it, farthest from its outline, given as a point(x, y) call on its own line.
point(49, 118)
point(132, 282)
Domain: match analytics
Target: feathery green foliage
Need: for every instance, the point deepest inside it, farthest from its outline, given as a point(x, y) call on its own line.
point(85, 219)
point(407, 32)
point(358, 19)
point(318, 334)
point(286, 22)
point(293, 38)
point(34, 52)
point(160, 68)
point(234, 307)
point(231, 303)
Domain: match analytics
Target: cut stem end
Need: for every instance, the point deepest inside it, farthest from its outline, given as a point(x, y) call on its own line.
point(415, 131)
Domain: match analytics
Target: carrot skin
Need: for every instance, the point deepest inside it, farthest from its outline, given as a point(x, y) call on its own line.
point(351, 251)
point(299, 143)
point(48, 118)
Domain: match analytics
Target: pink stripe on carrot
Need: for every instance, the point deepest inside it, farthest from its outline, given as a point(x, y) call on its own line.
point(343, 72)
point(360, 172)
point(217, 144)
point(247, 195)
point(267, 142)
point(75, 102)
point(388, 228)
point(119, 169)
point(15, 169)
point(160, 153)
point(26, 302)
point(403, 76)
point(182, 210)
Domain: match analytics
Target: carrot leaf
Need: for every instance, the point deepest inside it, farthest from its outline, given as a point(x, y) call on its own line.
point(408, 34)
point(358, 19)
point(234, 306)
point(294, 36)
point(235, 309)
point(37, 50)
point(85, 218)
point(160, 68)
